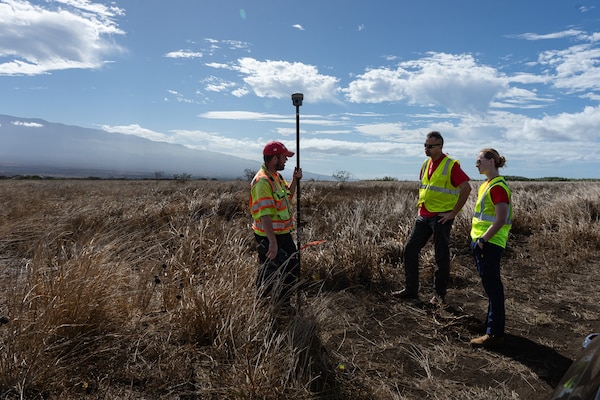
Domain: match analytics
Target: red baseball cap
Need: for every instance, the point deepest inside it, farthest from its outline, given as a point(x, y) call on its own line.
point(273, 148)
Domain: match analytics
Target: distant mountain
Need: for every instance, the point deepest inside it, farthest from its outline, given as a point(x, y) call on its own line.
point(31, 146)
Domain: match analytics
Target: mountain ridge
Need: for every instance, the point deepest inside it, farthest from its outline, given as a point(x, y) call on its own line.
point(33, 146)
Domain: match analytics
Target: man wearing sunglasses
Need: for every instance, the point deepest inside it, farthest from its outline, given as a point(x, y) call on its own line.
point(443, 192)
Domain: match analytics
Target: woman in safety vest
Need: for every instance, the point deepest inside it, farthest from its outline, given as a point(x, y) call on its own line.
point(491, 223)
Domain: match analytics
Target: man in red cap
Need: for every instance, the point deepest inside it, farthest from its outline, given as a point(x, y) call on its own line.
point(270, 198)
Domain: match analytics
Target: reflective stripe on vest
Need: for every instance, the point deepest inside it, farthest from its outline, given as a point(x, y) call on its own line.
point(485, 213)
point(282, 221)
point(483, 204)
point(437, 193)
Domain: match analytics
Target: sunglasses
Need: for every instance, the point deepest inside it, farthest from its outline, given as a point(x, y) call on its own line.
point(431, 146)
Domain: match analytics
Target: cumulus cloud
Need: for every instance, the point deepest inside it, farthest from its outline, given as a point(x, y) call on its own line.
point(581, 126)
point(65, 34)
point(456, 82)
point(278, 79)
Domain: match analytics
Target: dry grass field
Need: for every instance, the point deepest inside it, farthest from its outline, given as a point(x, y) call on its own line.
point(145, 290)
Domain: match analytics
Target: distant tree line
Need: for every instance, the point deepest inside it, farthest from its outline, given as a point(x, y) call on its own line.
point(340, 176)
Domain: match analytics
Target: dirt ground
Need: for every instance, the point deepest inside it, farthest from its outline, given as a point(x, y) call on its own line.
point(547, 320)
point(372, 345)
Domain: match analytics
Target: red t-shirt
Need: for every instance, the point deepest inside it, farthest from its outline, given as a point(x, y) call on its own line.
point(499, 195)
point(457, 177)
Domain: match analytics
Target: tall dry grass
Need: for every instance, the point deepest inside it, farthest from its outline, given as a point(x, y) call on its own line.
point(144, 289)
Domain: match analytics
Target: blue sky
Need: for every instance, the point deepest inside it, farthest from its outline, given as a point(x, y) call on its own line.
point(521, 76)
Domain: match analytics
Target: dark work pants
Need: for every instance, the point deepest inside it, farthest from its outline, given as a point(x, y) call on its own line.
point(487, 261)
point(423, 228)
point(278, 277)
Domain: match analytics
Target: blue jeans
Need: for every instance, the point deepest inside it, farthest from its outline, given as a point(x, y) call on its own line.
point(487, 261)
point(422, 230)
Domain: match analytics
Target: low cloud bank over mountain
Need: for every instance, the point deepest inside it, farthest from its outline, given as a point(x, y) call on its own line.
point(35, 146)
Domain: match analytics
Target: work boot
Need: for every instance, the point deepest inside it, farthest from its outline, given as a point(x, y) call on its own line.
point(405, 294)
point(488, 341)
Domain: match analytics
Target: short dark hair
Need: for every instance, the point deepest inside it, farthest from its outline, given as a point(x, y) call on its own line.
point(435, 135)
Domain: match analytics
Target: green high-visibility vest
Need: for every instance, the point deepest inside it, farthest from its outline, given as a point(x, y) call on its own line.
point(437, 193)
point(485, 213)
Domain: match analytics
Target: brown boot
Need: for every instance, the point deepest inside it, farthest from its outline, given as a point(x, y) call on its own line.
point(488, 341)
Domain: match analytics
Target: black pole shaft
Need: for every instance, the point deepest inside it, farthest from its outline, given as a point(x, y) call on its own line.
point(298, 181)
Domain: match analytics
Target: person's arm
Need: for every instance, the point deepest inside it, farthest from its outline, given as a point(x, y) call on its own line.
point(501, 210)
point(295, 178)
point(465, 190)
point(267, 224)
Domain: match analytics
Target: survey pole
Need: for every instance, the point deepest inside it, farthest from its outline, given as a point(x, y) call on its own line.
point(297, 101)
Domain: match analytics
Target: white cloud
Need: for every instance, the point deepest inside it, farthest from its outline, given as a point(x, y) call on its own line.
point(298, 26)
point(137, 130)
point(381, 130)
point(183, 54)
point(455, 82)
point(240, 92)
point(179, 97)
point(574, 127)
point(242, 115)
point(215, 84)
point(577, 68)
point(353, 148)
point(201, 140)
point(39, 39)
point(277, 79)
point(219, 65)
point(27, 124)
point(570, 33)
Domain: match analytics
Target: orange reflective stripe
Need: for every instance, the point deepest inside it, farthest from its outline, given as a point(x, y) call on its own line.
point(278, 226)
point(275, 204)
point(263, 203)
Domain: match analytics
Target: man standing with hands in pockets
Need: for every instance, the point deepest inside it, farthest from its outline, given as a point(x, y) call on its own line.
point(443, 192)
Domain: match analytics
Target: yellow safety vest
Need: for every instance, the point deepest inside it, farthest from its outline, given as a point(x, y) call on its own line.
point(437, 193)
point(485, 213)
point(269, 195)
